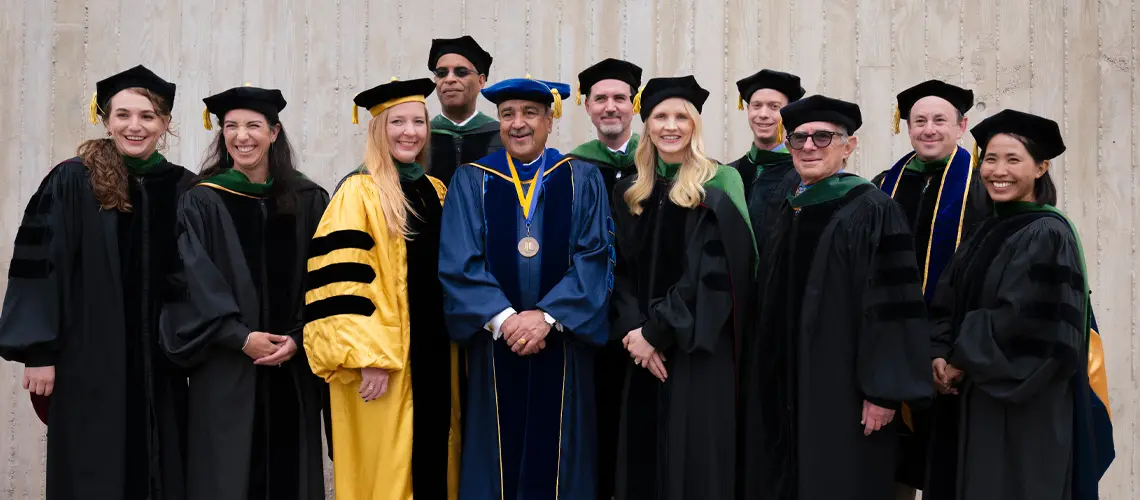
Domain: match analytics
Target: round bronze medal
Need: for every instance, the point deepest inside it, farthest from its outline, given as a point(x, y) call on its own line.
point(528, 247)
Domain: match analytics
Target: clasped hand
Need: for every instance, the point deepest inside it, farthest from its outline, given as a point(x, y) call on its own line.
point(267, 349)
point(644, 355)
point(945, 376)
point(526, 332)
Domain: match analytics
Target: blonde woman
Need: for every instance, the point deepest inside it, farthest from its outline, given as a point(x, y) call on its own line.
point(686, 259)
point(374, 313)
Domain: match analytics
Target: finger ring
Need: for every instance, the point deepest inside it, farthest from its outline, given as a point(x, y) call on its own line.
point(637, 362)
point(522, 341)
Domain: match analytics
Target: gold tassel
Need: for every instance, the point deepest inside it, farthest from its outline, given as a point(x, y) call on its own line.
point(206, 119)
point(355, 115)
point(93, 113)
point(557, 103)
point(780, 131)
point(974, 156)
point(528, 77)
point(740, 102)
point(578, 95)
point(394, 78)
point(637, 100)
point(898, 117)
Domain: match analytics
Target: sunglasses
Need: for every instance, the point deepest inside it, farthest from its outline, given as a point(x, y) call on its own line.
point(459, 71)
point(821, 139)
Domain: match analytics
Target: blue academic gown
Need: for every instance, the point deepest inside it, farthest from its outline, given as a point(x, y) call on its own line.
point(529, 426)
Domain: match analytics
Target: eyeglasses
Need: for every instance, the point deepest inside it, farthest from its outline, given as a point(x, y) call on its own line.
point(821, 139)
point(460, 72)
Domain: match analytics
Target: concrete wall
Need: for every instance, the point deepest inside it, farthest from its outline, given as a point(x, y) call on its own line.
point(1071, 60)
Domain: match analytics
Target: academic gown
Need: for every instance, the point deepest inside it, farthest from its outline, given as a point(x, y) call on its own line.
point(453, 145)
point(768, 177)
point(254, 431)
point(529, 422)
point(1011, 314)
point(942, 201)
point(611, 361)
point(84, 290)
point(374, 301)
point(842, 321)
point(684, 277)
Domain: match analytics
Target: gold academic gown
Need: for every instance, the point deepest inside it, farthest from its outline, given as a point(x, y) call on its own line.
point(372, 441)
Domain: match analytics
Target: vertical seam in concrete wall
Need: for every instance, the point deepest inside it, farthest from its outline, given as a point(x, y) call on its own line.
point(725, 85)
point(1032, 69)
point(368, 16)
point(1065, 93)
point(1135, 296)
point(526, 38)
point(997, 54)
point(1099, 135)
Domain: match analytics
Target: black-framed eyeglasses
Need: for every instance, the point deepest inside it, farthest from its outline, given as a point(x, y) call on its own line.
point(460, 72)
point(821, 139)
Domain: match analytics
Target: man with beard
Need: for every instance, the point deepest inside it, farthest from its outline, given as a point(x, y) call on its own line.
point(460, 134)
point(526, 273)
point(767, 167)
point(942, 195)
point(610, 87)
point(844, 338)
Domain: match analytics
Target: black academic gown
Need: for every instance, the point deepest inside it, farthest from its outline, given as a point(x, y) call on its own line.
point(766, 191)
point(612, 360)
point(842, 320)
point(685, 277)
point(450, 149)
point(1010, 313)
point(84, 292)
point(254, 431)
point(917, 194)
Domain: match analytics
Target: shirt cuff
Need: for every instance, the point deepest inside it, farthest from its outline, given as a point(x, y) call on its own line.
point(551, 321)
point(496, 322)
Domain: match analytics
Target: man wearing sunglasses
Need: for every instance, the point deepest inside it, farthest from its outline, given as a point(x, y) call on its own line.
point(842, 333)
point(461, 134)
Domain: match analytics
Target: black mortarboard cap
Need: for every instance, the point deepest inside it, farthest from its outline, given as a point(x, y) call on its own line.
point(268, 102)
point(818, 108)
point(1042, 131)
point(659, 89)
point(962, 99)
point(381, 97)
point(464, 46)
point(608, 69)
point(785, 83)
point(136, 77)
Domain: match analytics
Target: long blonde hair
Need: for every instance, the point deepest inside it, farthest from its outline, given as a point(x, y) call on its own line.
point(380, 165)
point(688, 189)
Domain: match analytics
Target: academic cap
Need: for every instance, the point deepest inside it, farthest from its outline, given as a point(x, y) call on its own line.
point(784, 83)
point(818, 108)
point(608, 69)
point(381, 97)
point(529, 89)
point(660, 89)
point(1042, 131)
point(138, 76)
point(268, 102)
point(464, 46)
point(962, 99)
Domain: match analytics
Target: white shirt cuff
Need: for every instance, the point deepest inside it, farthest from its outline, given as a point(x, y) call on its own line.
point(497, 322)
point(550, 321)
